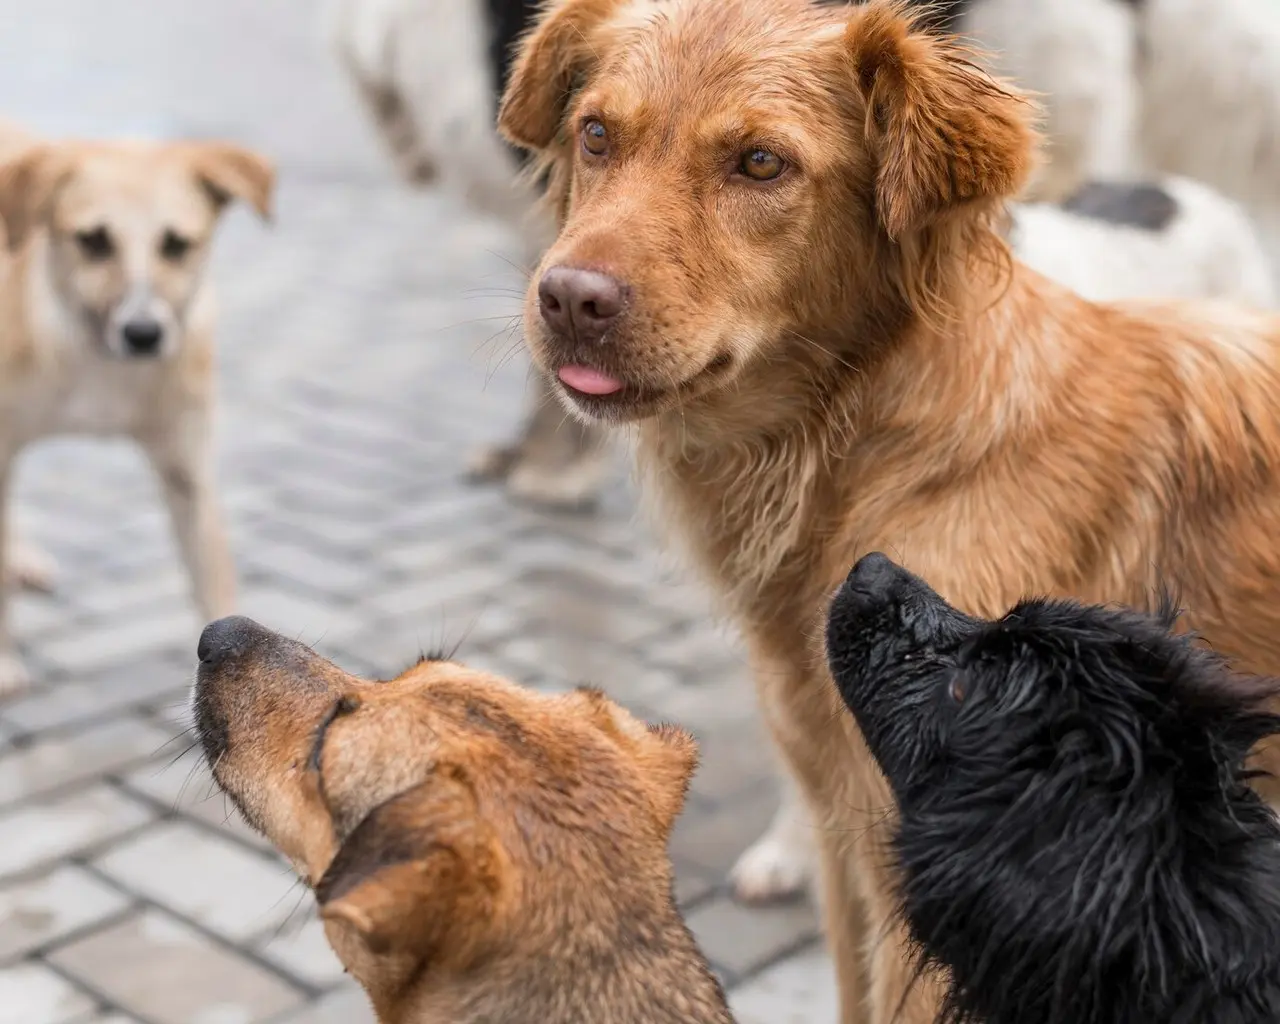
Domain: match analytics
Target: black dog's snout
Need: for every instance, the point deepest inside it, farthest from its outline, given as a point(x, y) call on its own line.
point(878, 577)
point(226, 638)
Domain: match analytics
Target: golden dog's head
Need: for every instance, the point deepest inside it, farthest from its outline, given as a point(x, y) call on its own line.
point(127, 228)
point(446, 818)
point(736, 177)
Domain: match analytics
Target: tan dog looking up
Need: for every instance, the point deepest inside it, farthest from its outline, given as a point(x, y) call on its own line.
point(481, 853)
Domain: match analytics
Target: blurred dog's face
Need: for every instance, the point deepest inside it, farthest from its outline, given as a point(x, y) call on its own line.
point(445, 814)
point(128, 228)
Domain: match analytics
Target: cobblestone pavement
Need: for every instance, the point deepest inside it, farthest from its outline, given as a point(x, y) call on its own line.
point(364, 350)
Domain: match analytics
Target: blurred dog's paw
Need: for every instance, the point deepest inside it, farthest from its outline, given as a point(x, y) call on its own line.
point(31, 568)
point(14, 678)
point(570, 487)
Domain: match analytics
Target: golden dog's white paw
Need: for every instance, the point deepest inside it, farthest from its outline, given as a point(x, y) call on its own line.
point(777, 866)
point(31, 568)
point(14, 678)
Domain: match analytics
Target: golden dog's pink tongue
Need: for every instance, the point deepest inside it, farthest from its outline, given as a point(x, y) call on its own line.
point(589, 381)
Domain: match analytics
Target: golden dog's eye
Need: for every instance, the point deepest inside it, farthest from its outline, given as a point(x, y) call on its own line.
point(761, 165)
point(595, 140)
point(95, 243)
point(173, 246)
point(957, 690)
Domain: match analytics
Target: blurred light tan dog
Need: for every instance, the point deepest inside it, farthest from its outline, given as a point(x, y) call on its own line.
point(481, 853)
point(780, 259)
point(106, 324)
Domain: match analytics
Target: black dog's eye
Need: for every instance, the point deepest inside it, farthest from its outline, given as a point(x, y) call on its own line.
point(174, 246)
point(957, 689)
point(95, 243)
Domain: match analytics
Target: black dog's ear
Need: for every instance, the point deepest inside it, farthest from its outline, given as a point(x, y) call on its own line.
point(559, 49)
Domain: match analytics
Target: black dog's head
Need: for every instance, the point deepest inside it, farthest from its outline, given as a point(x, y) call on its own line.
point(1078, 840)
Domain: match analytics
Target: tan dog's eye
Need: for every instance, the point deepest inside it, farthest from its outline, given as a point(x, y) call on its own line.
point(761, 165)
point(173, 246)
point(95, 243)
point(595, 140)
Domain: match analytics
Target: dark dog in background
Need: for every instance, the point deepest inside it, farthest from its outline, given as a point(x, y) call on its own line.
point(1078, 839)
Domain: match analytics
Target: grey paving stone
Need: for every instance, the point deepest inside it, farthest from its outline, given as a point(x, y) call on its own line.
point(41, 833)
point(55, 761)
point(348, 1006)
point(713, 841)
point(122, 640)
point(103, 692)
point(799, 990)
point(202, 981)
point(742, 939)
point(300, 948)
point(36, 912)
point(217, 883)
point(31, 993)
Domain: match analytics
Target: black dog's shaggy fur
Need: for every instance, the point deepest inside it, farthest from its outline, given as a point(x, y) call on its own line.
point(1077, 837)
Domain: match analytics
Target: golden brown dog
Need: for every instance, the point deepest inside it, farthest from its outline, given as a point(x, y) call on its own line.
point(481, 853)
point(779, 256)
point(106, 322)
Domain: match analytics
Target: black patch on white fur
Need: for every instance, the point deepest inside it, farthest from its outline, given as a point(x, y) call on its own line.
point(1144, 206)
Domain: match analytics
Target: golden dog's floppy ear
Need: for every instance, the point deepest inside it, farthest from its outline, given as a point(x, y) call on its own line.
point(233, 172)
point(28, 185)
point(421, 874)
point(550, 60)
point(942, 132)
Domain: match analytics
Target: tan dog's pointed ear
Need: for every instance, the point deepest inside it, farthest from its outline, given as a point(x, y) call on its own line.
point(666, 756)
point(943, 133)
point(551, 58)
point(233, 172)
point(28, 184)
point(421, 875)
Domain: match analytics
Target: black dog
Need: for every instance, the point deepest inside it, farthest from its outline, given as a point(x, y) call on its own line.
point(1077, 837)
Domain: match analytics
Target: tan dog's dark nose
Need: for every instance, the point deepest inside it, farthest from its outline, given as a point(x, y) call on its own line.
point(226, 638)
point(580, 305)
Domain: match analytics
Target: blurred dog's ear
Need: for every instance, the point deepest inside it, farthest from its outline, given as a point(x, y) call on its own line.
point(552, 58)
point(666, 756)
point(420, 876)
point(942, 132)
point(233, 172)
point(28, 186)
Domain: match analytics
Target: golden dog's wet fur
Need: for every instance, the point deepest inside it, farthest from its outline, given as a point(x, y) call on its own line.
point(481, 853)
point(846, 359)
